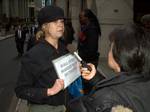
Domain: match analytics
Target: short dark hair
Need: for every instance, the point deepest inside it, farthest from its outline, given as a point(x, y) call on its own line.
point(92, 18)
point(131, 48)
point(145, 18)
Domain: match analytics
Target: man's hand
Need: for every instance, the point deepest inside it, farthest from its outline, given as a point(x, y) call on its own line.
point(86, 74)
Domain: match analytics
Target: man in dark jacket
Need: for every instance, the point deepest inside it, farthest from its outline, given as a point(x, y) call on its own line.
point(89, 37)
point(20, 36)
point(88, 40)
point(129, 55)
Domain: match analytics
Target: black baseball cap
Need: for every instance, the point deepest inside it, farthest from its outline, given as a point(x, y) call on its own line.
point(50, 13)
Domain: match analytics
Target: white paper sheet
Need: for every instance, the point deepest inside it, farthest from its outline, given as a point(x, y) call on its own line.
point(67, 68)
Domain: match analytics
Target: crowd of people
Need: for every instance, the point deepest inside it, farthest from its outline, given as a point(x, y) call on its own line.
point(128, 57)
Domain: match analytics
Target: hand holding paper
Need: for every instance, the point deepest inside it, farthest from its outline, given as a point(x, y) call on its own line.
point(58, 86)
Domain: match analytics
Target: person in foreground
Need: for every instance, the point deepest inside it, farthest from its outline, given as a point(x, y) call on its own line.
point(129, 55)
point(38, 82)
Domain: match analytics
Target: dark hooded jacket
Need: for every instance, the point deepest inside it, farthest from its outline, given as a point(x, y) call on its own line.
point(131, 91)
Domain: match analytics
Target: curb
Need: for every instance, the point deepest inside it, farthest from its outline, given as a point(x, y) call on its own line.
point(18, 105)
point(21, 106)
point(7, 36)
point(12, 106)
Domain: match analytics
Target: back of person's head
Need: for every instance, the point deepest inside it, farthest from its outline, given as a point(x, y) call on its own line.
point(120, 108)
point(145, 20)
point(131, 48)
point(88, 13)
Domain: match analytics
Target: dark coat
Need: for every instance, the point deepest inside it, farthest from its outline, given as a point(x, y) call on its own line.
point(32, 37)
point(38, 74)
point(132, 91)
point(22, 38)
point(88, 42)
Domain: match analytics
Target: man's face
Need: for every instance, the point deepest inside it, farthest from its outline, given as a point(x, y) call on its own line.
point(82, 18)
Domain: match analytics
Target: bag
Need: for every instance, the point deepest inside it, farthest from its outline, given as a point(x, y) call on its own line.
point(76, 88)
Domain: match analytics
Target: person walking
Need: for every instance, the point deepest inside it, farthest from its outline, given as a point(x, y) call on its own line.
point(32, 30)
point(38, 82)
point(20, 36)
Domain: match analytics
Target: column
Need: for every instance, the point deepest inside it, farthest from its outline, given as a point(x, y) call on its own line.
point(5, 7)
point(16, 13)
point(91, 4)
point(75, 8)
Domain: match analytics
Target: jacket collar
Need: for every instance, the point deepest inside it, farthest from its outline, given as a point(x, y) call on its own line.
point(120, 79)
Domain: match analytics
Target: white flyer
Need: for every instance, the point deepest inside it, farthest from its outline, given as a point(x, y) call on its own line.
point(67, 68)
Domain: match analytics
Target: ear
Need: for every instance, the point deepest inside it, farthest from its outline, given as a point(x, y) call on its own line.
point(43, 27)
point(111, 61)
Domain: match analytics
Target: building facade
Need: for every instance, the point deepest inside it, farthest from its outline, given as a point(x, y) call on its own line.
point(110, 13)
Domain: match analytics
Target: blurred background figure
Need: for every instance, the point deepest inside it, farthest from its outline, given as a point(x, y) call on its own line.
point(145, 20)
point(88, 40)
point(20, 36)
point(88, 37)
point(32, 30)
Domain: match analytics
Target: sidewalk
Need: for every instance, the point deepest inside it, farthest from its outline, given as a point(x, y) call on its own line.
point(21, 105)
point(6, 35)
point(17, 105)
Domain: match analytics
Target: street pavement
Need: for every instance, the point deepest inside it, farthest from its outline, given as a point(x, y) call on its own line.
point(9, 68)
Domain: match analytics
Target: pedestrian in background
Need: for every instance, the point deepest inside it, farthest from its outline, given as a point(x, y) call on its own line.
point(20, 36)
point(38, 82)
point(88, 40)
point(145, 20)
point(89, 37)
point(69, 32)
point(32, 30)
